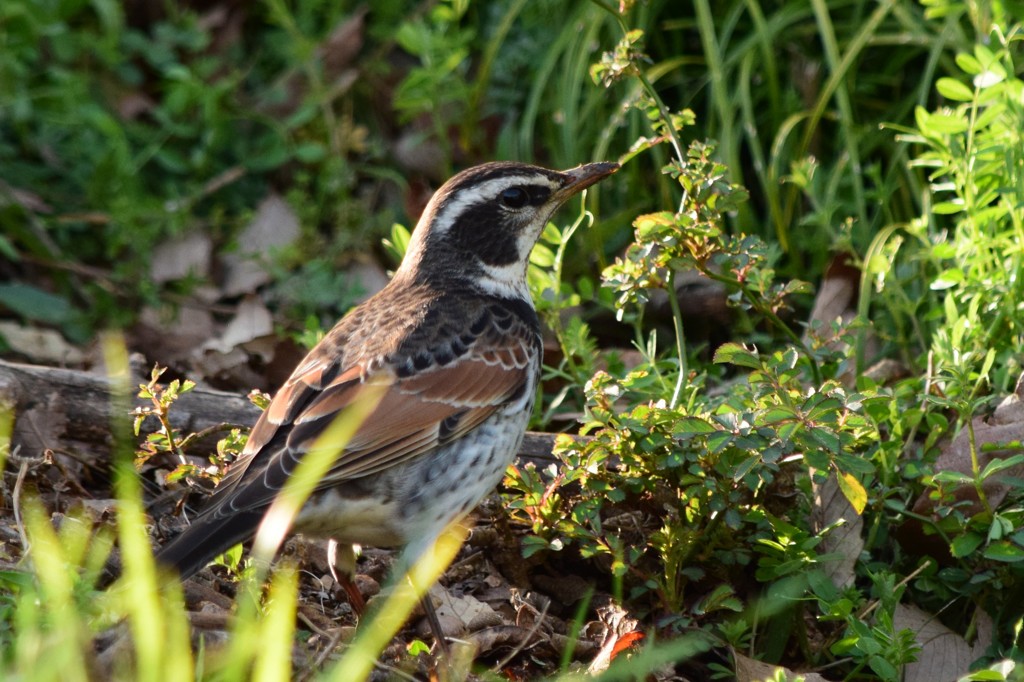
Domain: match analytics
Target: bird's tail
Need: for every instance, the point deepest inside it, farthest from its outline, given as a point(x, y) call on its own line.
point(206, 539)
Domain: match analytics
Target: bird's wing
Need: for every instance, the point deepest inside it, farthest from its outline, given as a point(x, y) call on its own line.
point(420, 410)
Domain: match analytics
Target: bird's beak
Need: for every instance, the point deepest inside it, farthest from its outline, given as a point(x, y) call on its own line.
point(581, 177)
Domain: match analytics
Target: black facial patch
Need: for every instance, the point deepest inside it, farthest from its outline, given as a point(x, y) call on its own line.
point(484, 230)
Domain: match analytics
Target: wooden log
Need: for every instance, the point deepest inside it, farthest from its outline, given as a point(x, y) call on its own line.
point(62, 409)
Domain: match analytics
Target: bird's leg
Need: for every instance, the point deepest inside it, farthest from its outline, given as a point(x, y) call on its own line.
point(435, 625)
point(341, 559)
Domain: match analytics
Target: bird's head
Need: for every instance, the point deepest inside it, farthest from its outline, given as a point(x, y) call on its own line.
point(482, 224)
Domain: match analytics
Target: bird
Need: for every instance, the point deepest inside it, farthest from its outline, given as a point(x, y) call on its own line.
point(455, 342)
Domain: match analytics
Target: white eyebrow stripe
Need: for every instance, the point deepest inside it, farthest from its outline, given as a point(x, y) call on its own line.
point(468, 196)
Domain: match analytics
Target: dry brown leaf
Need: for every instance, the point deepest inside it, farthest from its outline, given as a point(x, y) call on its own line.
point(367, 277)
point(252, 321)
point(274, 226)
point(43, 346)
point(172, 337)
point(39, 428)
point(836, 300)
point(335, 56)
point(1005, 426)
point(226, 360)
point(30, 201)
point(622, 631)
point(488, 639)
point(98, 510)
point(461, 615)
point(752, 670)
point(944, 655)
point(831, 507)
point(837, 295)
point(185, 256)
point(342, 45)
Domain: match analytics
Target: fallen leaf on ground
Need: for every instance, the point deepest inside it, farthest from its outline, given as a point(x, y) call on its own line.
point(185, 256)
point(459, 615)
point(751, 670)
point(1005, 426)
point(252, 321)
point(43, 346)
point(274, 226)
point(622, 632)
point(845, 541)
point(944, 655)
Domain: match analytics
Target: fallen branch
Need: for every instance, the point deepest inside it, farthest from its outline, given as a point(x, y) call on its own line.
point(70, 410)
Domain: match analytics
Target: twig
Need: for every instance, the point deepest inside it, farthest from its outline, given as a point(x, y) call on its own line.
point(313, 626)
point(920, 569)
point(16, 498)
point(526, 640)
point(465, 562)
point(321, 658)
point(394, 671)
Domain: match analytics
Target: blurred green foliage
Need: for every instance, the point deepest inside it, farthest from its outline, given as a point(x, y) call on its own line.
point(760, 142)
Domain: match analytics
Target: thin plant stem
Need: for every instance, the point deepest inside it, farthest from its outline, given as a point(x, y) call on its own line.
point(677, 323)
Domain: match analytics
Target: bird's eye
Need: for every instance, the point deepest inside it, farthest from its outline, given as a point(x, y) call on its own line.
point(514, 197)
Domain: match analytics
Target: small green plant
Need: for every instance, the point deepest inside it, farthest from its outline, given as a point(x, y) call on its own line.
point(167, 440)
point(973, 152)
point(698, 472)
point(677, 490)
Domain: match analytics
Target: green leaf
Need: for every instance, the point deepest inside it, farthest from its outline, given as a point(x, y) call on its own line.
point(551, 234)
point(877, 264)
point(985, 676)
point(855, 464)
point(947, 123)
point(719, 440)
point(533, 544)
point(965, 545)
point(736, 354)
point(7, 249)
point(950, 88)
point(417, 647)
point(954, 477)
point(311, 152)
point(816, 459)
point(652, 223)
point(997, 465)
point(35, 304)
point(542, 256)
point(884, 669)
point(947, 279)
point(1004, 551)
point(948, 207)
point(968, 64)
point(692, 426)
point(825, 438)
